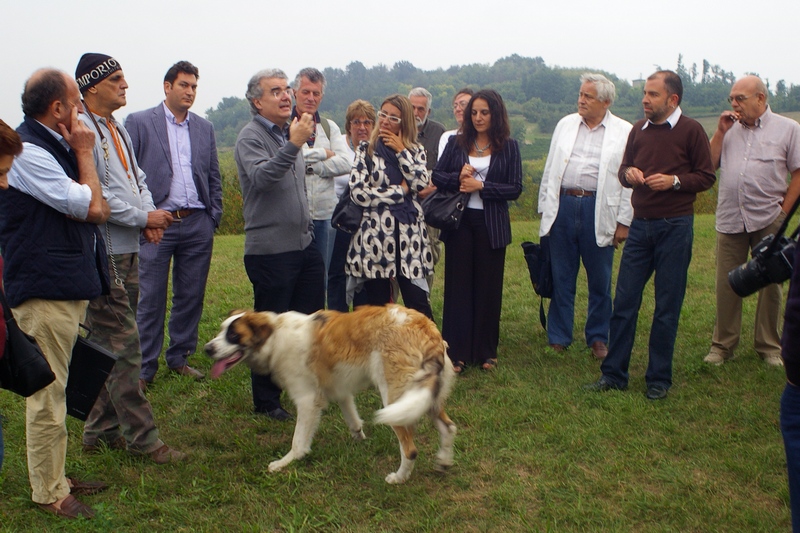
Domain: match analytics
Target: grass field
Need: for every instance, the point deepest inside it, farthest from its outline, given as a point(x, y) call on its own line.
point(534, 452)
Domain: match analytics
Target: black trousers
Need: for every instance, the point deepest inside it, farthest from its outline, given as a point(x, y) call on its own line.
point(473, 291)
point(291, 281)
point(379, 292)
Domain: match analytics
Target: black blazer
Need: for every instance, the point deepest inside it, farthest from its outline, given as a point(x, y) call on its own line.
point(503, 183)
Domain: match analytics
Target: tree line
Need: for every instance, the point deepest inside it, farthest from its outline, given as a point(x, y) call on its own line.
point(534, 92)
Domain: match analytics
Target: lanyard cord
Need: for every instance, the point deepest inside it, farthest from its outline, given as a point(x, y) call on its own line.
point(104, 144)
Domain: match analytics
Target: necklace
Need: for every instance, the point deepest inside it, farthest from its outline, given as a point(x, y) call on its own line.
point(481, 150)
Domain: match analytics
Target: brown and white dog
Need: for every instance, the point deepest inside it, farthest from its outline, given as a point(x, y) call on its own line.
point(329, 356)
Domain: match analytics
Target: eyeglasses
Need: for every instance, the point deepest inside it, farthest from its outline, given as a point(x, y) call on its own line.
point(460, 105)
point(739, 98)
point(390, 118)
point(366, 122)
point(277, 93)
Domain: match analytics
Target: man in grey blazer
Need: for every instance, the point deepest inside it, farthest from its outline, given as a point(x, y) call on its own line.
point(178, 153)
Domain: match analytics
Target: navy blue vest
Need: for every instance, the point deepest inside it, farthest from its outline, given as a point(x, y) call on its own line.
point(47, 254)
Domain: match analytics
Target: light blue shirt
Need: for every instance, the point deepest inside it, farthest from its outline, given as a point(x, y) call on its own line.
point(36, 173)
point(182, 190)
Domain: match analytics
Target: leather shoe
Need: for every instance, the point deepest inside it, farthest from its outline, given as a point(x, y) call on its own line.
point(276, 414)
point(166, 455)
point(116, 444)
point(70, 508)
point(86, 488)
point(558, 348)
point(656, 392)
point(599, 350)
point(186, 370)
point(602, 385)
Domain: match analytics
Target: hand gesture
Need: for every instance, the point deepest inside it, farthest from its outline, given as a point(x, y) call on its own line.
point(78, 136)
point(153, 235)
point(467, 171)
point(301, 129)
point(659, 182)
point(726, 121)
point(634, 177)
point(395, 142)
point(158, 219)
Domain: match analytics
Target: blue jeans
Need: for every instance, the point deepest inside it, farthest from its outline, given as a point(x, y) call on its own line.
point(790, 428)
point(572, 239)
point(324, 237)
point(663, 246)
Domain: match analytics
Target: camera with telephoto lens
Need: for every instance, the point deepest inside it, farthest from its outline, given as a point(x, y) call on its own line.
point(772, 263)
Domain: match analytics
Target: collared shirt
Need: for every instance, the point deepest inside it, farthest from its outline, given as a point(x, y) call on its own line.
point(36, 173)
point(182, 190)
point(281, 135)
point(754, 166)
point(584, 162)
point(671, 120)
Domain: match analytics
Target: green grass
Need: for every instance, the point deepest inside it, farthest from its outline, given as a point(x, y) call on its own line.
point(534, 452)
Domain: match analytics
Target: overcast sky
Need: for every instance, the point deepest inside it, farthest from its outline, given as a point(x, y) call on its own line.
point(229, 40)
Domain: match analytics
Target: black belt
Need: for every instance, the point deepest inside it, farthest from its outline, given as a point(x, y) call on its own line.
point(580, 193)
point(183, 213)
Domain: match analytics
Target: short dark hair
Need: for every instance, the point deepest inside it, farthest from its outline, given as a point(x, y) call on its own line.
point(181, 66)
point(672, 82)
point(10, 143)
point(41, 90)
point(499, 130)
point(465, 90)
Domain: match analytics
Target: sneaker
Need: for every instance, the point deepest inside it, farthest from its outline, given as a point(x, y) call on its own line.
point(603, 385)
point(656, 392)
point(773, 360)
point(715, 358)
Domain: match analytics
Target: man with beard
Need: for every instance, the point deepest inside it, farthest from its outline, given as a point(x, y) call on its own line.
point(667, 161)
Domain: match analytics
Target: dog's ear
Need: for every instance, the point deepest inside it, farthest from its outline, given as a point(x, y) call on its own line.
point(236, 312)
point(261, 326)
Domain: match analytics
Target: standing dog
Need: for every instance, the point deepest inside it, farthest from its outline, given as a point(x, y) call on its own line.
point(329, 356)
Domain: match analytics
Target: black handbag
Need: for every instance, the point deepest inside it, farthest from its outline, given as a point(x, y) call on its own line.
point(24, 369)
point(88, 371)
point(537, 256)
point(444, 209)
point(347, 214)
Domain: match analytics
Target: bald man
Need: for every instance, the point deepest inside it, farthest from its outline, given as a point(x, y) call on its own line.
point(756, 151)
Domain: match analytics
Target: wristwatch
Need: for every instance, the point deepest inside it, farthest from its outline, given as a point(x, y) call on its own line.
point(676, 183)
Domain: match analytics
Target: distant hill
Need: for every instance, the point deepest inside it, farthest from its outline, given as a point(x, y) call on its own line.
point(535, 94)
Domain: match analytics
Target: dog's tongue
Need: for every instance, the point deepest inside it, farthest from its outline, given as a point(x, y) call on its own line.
point(218, 368)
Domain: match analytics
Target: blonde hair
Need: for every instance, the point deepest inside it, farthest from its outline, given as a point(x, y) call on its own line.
point(408, 124)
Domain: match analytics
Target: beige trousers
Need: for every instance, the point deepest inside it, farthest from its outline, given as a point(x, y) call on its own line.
point(54, 325)
point(732, 251)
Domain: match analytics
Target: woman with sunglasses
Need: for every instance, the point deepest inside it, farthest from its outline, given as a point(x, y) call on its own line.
point(392, 241)
point(484, 161)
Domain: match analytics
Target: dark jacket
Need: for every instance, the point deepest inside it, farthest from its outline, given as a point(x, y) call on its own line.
point(503, 183)
point(48, 255)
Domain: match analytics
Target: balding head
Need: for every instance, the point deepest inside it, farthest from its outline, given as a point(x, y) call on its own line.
point(48, 97)
point(748, 99)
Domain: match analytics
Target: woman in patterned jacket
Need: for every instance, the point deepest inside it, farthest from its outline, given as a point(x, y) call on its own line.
point(392, 241)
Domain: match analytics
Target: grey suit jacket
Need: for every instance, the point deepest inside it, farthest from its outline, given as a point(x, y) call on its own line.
point(148, 132)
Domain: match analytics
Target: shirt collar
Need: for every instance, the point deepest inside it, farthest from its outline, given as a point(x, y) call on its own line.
point(171, 116)
point(672, 120)
point(58, 136)
point(274, 128)
point(602, 122)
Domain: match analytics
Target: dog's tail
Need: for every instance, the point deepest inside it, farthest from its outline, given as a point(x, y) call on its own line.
point(426, 394)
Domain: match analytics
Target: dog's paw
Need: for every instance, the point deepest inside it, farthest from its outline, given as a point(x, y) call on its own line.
point(394, 479)
point(358, 435)
point(275, 466)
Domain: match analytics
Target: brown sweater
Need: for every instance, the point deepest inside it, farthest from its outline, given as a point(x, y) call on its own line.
point(683, 151)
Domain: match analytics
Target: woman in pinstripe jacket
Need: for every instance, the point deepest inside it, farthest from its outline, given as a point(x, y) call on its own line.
point(485, 162)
